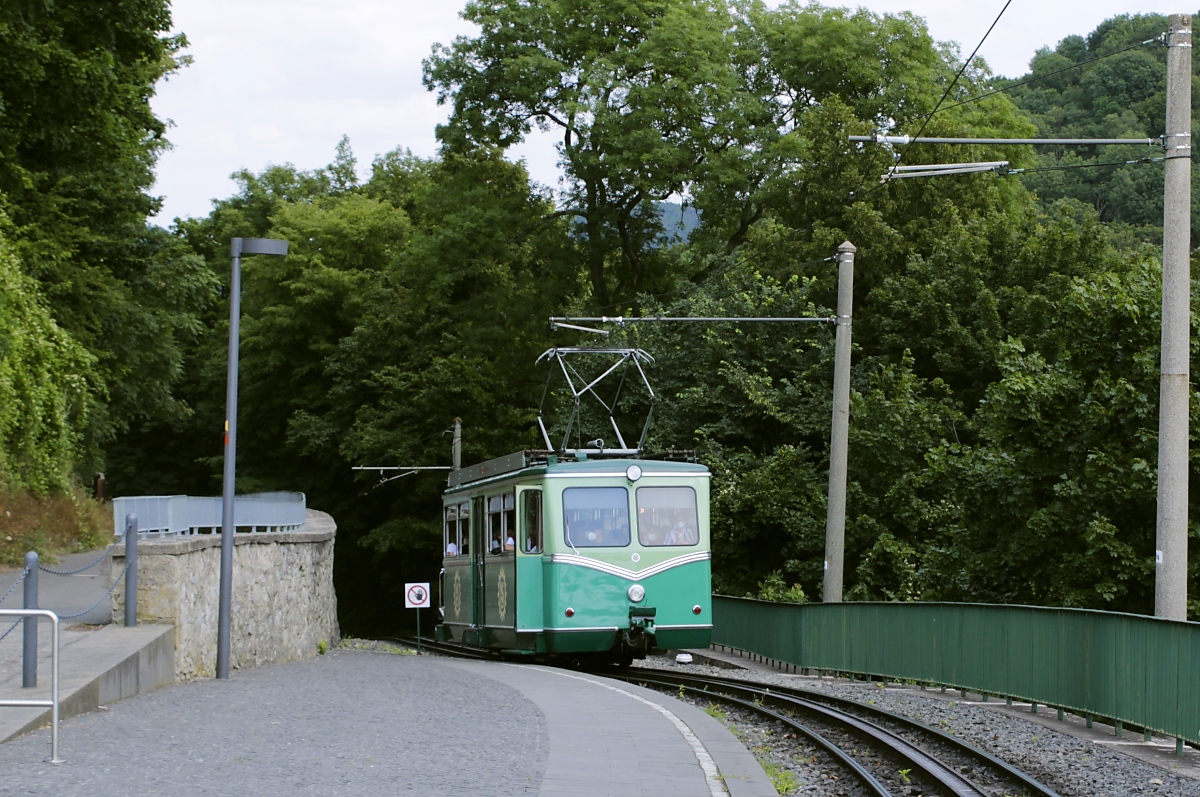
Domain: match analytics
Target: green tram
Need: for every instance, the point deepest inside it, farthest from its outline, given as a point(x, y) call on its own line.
point(580, 556)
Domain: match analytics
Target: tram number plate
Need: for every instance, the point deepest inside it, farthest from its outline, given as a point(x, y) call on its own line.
point(416, 596)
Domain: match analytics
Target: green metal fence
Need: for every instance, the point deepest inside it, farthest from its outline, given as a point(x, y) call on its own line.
point(1139, 670)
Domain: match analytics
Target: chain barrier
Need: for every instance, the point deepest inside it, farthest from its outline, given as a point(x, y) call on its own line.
point(79, 570)
point(10, 629)
point(11, 590)
point(16, 584)
point(102, 599)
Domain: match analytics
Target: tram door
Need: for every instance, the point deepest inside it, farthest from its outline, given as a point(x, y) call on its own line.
point(478, 546)
point(529, 562)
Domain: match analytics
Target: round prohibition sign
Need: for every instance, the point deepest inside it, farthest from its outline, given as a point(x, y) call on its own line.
point(416, 596)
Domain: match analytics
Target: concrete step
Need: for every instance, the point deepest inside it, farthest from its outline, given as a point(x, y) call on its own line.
point(97, 666)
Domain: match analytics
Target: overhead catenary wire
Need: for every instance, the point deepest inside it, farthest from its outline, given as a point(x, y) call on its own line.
point(854, 195)
point(1084, 165)
point(1035, 78)
point(953, 83)
point(691, 289)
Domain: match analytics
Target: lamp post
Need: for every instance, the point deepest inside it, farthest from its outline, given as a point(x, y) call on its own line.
point(238, 247)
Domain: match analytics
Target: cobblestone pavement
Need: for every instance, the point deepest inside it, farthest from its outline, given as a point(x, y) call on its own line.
point(347, 723)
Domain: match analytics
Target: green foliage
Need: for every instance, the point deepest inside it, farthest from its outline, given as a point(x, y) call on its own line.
point(78, 141)
point(48, 386)
point(639, 94)
point(774, 588)
point(784, 780)
point(1121, 93)
point(1004, 380)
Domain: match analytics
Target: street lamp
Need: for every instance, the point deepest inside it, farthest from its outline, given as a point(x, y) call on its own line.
point(237, 247)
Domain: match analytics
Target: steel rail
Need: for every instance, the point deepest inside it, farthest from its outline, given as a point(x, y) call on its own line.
point(960, 745)
point(863, 774)
point(448, 648)
point(944, 775)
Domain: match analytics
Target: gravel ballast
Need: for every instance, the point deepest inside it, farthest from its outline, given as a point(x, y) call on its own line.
point(1074, 767)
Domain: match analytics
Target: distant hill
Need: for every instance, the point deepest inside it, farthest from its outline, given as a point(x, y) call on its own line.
point(678, 221)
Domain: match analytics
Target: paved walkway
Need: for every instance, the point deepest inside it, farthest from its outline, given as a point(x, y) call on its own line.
point(65, 594)
point(352, 723)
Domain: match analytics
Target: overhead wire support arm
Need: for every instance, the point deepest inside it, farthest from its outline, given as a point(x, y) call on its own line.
point(408, 470)
point(401, 467)
point(879, 138)
point(941, 169)
point(619, 320)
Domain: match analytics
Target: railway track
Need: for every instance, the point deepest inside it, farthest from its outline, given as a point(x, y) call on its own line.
point(888, 754)
point(895, 746)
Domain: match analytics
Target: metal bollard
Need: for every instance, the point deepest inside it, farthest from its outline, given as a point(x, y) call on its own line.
point(131, 589)
point(29, 651)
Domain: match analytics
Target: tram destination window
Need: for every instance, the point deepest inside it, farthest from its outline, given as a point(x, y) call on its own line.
point(596, 517)
point(667, 516)
point(531, 504)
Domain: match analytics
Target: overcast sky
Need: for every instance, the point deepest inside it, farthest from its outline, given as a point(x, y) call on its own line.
point(281, 81)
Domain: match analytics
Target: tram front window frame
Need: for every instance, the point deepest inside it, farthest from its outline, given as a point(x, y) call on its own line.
point(596, 517)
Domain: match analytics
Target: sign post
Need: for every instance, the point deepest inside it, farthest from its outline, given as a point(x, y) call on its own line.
point(416, 596)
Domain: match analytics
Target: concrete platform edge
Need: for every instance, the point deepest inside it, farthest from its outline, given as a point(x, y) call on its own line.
point(112, 664)
point(741, 772)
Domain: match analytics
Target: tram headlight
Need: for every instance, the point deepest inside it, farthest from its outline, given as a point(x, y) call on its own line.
point(633, 472)
point(636, 593)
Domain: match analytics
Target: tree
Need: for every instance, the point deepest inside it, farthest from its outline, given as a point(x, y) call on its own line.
point(1109, 84)
point(641, 92)
point(48, 386)
point(78, 141)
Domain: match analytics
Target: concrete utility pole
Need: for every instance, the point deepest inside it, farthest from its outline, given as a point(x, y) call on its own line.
point(456, 449)
point(1171, 555)
point(835, 518)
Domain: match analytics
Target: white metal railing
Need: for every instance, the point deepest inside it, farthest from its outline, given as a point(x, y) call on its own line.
point(188, 514)
point(52, 703)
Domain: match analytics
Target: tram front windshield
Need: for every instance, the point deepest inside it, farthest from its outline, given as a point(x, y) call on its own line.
point(596, 517)
point(667, 516)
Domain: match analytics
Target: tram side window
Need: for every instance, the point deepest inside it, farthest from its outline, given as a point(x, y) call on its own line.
point(495, 521)
point(667, 516)
point(531, 504)
point(596, 517)
point(451, 532)
point(464, 528)
point(510, 522)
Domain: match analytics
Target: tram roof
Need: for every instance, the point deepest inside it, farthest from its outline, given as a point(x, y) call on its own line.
point(674, 462)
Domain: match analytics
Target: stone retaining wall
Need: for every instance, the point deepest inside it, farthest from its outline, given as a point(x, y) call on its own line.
point(284, 605)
